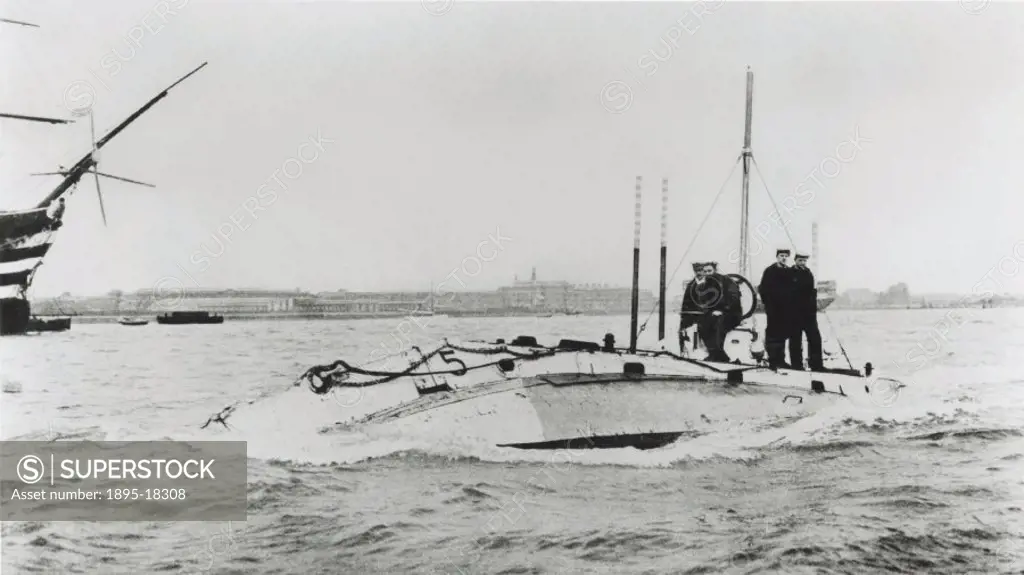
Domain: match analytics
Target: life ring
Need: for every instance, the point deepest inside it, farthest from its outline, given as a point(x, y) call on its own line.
point(753, 293)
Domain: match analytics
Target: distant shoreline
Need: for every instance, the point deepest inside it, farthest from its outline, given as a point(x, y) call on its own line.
point(113, 318)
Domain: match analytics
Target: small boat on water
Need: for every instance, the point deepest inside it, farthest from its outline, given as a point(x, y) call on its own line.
point(189, 317)
point(132, 321)
point(576, 394)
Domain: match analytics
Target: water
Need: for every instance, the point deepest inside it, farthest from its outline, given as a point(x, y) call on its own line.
point(931, 484)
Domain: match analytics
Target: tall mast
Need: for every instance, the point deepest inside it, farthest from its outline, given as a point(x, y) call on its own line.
point(664, 256)
point(814, 247)
point(744, 214)
point(635, 308)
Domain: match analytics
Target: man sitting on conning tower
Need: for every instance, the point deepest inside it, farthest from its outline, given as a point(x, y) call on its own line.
point(712, 301)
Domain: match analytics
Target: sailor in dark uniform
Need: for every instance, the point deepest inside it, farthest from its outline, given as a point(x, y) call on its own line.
point(712, 301)
point(732, 291)
point(804, 317)
point(776, 291)
point(689, 307)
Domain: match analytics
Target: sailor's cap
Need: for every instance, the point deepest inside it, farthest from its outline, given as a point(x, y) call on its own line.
point(697, 266)
point(801, 255)
point(781, 251)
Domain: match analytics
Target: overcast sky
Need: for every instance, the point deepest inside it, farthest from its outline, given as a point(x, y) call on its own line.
point(441, 124)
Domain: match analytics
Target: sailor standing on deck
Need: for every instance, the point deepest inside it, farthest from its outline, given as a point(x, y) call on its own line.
point(776, 291)
point(712, 301)
point(805, 317)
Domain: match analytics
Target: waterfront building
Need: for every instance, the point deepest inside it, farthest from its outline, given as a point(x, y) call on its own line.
point(523, 296)
point(535, 295)
point(349, 302)
point(479, 302)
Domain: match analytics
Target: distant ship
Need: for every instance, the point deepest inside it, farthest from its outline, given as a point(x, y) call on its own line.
point(36, 323)
point(189, 317)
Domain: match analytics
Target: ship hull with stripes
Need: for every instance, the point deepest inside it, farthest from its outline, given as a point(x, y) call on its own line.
point(25, 238)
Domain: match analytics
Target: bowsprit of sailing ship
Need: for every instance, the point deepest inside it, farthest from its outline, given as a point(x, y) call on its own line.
point(26, 235)
point(573, 394)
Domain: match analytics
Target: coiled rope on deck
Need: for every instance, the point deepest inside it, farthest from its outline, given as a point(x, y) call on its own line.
point(322, 378)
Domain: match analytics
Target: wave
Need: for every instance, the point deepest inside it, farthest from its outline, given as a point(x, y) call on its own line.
point(968, 434)
point(829, 447)
point(836, 431)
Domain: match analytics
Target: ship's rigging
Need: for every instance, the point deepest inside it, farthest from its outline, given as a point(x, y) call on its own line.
point(23, 116)
point(26, 235)
point(19, 227)
point(747, 160)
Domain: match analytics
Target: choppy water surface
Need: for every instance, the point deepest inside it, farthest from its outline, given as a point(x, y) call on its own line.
point(930, 484)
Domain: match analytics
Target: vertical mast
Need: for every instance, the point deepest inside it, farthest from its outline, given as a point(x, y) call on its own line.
point(635, 308)
point(664, 255)
point(744, 214)
point(814, 248)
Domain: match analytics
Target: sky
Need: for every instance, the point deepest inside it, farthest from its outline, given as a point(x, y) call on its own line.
point(469, 142)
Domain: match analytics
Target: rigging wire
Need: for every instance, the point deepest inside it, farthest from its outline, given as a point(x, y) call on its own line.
point(657, 302)
point(793, 245)
point(764, 182)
